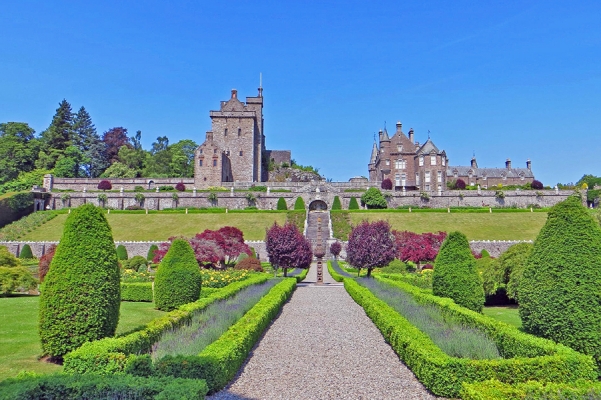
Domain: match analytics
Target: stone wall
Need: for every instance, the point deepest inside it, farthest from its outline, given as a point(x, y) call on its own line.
point(91, 184)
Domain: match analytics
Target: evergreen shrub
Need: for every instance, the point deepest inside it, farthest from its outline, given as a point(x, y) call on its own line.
point(373, 199)
point(336, 205)
point(121, 253)
point(455, 275)
point(136, 263)
point(353, 204)
point(151, 251)
point(282, 204)
point(177, 281)
point(559, 292)
point(26, 253)
point(180, 187)
point(460, 184)
point(136, 291)
point(484, 253)
point(82, 282)
point(299, 204)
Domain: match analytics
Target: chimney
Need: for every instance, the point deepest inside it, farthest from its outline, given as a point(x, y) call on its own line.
point(260, 92)
point(398, 127)
point(416, 145)
point(234, 94)
point(411, 135)
point(508, 163)
point(529, 164)
point(473, 163)
point(209, 136)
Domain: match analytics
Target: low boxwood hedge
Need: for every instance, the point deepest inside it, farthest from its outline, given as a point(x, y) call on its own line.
point(91, 386)
point(139, 291)
point(525, 357)
point(300, 277)
point(110, 355)
point(335, 275)
point(495, 390)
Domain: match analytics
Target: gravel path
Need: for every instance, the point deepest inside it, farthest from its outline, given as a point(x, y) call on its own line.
point(323, 346)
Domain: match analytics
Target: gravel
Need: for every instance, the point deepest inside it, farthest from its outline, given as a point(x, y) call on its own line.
point(323, 346)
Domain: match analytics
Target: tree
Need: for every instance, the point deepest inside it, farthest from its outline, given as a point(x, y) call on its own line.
point(44, 263)
point(536, 185)
point(460, 184)
point(159, 158)
point(134, 159)
point(69, 165)
point(13, 276)
point(505, 273)
point(57, 137)
point(18, 150)
point(417, 247)
point(373, 198)
point(287, 247)
point(121, 253)
point(370, 245)
point(386, 184)
point(82, 283)
point(180, 187)
point(105, 185)
point(182, 158)
point(353, 204)
point(119, 170)
point(282, 204)
point(455, 274)
point(153, 248)
point(299, 204)
point(91, 147)
point(559, 291)
point(178, 278)
point(335, 249)
point(336, 205)
point(230, 241)
point(113, 139)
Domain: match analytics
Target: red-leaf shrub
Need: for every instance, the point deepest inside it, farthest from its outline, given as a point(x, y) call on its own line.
point(428, 266)
point(537, 185)
point(287, 247)
point(460, 184)
point(370, 245)
point(415, 247)
point(105, 185)
point(250, 264)
point(335, 249)
point(180, 187)
point(387, 184)
point(476, 255)
point(44, 263)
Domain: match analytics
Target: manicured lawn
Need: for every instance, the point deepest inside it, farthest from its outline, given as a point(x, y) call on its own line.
point(476, 226)
point(19, 342)
point(507, 314)
point(162, 226)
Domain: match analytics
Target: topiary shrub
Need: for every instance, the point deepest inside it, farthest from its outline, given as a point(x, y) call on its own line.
point(484, 253)
point(151, 251)
point(455, 275)
point(177, 281)
point(44, 263)
point(353, 204)
point(136, 263)
point(373, 199)
point(105, 185)
point(80, 296)
point(249, 264)
point(26, 253)
point(559, 292)
point(180, 187)
point(299, 204)
point(121, 253)
point(336, 205)
point(536, 185)
point(460, 184)
point(282, 204)
point(386, 184)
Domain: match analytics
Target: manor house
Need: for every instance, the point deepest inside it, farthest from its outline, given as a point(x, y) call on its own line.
point(411, 166)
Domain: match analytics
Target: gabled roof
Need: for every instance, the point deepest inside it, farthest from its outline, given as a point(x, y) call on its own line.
point(427, 148)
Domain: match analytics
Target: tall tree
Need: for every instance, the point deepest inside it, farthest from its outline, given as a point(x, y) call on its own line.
point(18, 150)
point(113, 139)
point(89, 143)
point(57, 137)
point(70, 164)
point(157, 162)
point(182, 158)
point(370, 245)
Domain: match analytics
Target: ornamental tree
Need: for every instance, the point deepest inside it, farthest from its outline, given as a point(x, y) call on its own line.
point(370, 245)
point(460, 184)
point(386, 184)
point(105, 185)
point(416, 247)
point(559, 292)
point(26, 252)
point(282, 204)
point(80, 295)
point(536, 185)
point(299, 204)
point(336, 205)
point(373, 198)
point(335, 249)
point(287, 247)
point(353, 204)
point(44, 263)
point(180, 187)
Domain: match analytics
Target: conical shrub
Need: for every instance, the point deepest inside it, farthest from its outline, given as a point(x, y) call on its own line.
point(559, 292)
point(80, 295)
point(178, 278)
point(336, 205)
point(282, 204)
point(26, 253)
point(455, 274)
point(353, 204)
point(122, 253)
point(299, 204)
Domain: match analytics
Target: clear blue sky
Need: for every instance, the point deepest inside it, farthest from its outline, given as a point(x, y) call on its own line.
point(502, 79)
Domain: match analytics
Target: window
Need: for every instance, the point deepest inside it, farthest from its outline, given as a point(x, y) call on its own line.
point(214, 151)
point(225, 132)
point(417, 178)
point(483, 177)
point(400, 164)
point(421, 161)
point(200, 151)
point(397, 178)
point(399, 148)
point(504, 176)
point(403, 179)
point(439, 176)
point(239, 132)
point(200, 163)
point(432, 160)
point(241, 152)
point(427, 187)
point(427, 177)
point(439, 188)
point(444, 161)
point(214, 163)
point(387, 162)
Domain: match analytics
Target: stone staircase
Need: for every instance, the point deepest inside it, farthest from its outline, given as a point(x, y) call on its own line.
point(312, 224)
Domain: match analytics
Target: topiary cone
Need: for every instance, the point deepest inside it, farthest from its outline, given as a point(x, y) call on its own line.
point(80, 295)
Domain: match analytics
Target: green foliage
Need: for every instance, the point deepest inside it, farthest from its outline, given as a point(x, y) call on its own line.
point(83, 282)
point(559, 292)
point(58, 136)
point(512, 264)
point(297, 218)
point(13, 278)
point(121, 253)
point(90, 386)
point(299, 204)
point(25, 181)
point(341, 224)
point(455, 274)
point(138, 291)
point(119, 170)
point(396, 266)
point(336, 205)
point(353, 204)
point(178, 279)
point(18, 150)
point(136, 263)
point(373, 198)
point(26, 252)
point(525, 357)
point(485, 253)
point(14, 207)
point(282, 204)
point(495, 390)
point(151, 250)
point(7, 259)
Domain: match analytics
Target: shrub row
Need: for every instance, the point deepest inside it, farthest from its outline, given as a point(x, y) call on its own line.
point(525, 357)
point(421, 280)
point(140, 291)
point(495, 390)
point(25, 225)
point(336, 275)
point(90, 386)
point(301, 277)
point(110, 355)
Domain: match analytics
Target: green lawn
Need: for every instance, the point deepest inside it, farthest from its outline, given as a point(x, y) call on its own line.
point(19, 342)
point(476, 226)
point(507, 314)
point(162, 226)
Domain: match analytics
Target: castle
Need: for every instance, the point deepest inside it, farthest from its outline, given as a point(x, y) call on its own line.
point(411, 166)
point(234, 148)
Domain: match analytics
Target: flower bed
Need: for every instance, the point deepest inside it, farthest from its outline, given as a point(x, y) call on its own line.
point(217, 279)
point(525, 357)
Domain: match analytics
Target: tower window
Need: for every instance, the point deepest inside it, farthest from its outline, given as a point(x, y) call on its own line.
point(387, 162)
point(239, 131)
point(225, 132)
point(421, 161)
point(214, 151)
point(432, 160)
point(214, 163)
point(241, 152)
point(439, 176)
point(400, 164)
point(200, 163)
point(200, 151)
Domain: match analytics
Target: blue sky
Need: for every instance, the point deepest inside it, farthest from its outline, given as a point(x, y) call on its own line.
point(504, 79)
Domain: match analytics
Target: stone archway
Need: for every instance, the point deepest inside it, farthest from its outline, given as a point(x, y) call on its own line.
point(318, 205)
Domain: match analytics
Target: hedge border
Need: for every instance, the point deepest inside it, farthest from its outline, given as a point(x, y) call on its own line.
point(138, 291)
point(495, 390)
point(109, 355)
point(301, 277)
point(528, 357)
point(335, 275)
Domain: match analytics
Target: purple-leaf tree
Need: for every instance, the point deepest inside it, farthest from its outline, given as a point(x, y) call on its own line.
point(335, 249)
point(370, 245)
point(105, 185)
point(287, 247)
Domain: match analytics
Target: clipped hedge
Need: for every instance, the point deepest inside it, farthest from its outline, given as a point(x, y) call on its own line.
point(336, 205)
point(495, 390)
point(26, 253)
point(299, 204)
point(525, 357)
point(139, 291)
point(90, 386)
point(122, 253)
point(335, 275)
point(301, 277)
point(282, 204)
point(353, 204)
point(151, 250)
point(110, 355)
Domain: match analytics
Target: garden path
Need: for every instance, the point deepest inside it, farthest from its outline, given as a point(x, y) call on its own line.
point(323, 346)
